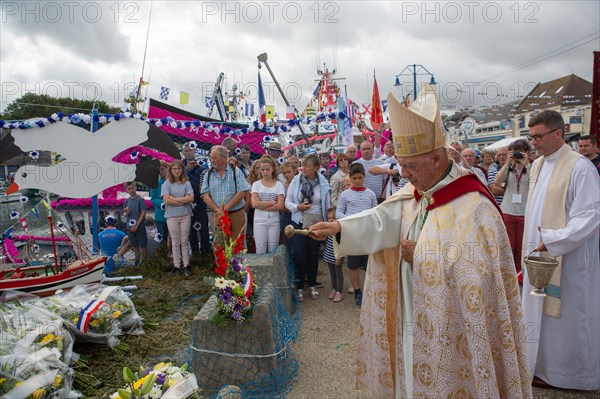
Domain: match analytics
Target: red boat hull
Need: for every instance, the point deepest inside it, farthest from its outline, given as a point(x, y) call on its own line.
point(84, 272)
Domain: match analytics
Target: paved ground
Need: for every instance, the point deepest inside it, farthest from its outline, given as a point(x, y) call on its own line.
point(327, 347)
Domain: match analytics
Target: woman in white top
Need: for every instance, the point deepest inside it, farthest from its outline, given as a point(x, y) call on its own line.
point(268, 196)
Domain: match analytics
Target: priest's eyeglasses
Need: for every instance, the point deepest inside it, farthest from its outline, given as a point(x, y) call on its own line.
point(539, 137)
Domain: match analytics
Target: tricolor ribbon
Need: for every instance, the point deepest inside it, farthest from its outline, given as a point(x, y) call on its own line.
point(247, 283)
point(86, 314)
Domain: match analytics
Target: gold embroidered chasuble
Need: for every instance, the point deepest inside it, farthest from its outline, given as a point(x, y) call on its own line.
point(465, 324)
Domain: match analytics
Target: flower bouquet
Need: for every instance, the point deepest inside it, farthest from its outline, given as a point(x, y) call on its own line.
point(161, 381)
point(234, 285)
point(36, 354)
point(97, 314)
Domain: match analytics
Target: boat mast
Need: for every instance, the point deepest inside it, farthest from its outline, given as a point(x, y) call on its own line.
point(139, 88)
point(53, 243)
point(263, 58)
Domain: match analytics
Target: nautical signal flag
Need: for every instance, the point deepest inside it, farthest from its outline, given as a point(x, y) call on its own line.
point(184, 97)
point(164, 93)
point(144, 83)
point(376, 111)
point(46, 202)
point(384, 104)
point(289, 113)
point(24, 224)
point(269, 111)
point(229, 107)
point(261, 101)
point(208, 102)
point(249, 109)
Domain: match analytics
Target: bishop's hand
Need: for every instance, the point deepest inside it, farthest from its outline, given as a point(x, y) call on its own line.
point(322, 230)
point(408, 250)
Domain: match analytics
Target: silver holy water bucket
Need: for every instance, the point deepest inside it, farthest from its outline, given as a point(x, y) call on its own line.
point(540, 271)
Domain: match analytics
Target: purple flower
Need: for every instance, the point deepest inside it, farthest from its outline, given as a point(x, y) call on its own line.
point(236, 315)
point(161, 379)
point(226, 297)
point(237, 306)
point(235, 264)
point(228, 289)
point(147, 371)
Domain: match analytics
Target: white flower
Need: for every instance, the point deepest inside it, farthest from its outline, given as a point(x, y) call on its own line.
point(232, 283)
point(155, 393)
point(220, 283)
point(177, 377)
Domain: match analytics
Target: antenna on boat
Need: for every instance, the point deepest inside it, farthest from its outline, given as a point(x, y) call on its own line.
point(139, 88)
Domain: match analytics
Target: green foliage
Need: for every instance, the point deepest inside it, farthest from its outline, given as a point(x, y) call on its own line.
point(32, 105)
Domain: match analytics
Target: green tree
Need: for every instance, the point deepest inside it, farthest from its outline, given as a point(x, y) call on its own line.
point(32, 105)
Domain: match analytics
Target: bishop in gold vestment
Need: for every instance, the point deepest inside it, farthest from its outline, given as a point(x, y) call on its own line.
point(441, 314)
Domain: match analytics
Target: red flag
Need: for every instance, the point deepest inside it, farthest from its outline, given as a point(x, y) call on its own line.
point(376, 109)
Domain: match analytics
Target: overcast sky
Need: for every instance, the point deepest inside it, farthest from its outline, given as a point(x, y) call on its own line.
point(79, 49)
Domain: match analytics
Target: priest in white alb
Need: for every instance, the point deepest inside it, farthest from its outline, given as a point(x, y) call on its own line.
point(441, 314)
point(562, 220)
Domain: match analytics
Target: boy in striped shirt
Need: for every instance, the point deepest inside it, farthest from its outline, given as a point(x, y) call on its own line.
point(357, 199)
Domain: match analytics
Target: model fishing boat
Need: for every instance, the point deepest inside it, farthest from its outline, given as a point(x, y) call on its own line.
point(46, 279)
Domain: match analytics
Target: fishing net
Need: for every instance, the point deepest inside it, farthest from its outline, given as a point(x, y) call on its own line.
point(254, 355)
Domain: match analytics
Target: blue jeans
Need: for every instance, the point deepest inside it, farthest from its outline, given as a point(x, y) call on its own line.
point(161, 228)
point(306, 258)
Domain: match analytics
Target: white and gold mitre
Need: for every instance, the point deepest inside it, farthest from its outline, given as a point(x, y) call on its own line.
point(417, 129)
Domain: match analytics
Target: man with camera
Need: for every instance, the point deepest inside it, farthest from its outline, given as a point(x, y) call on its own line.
point(393, 180)
point(513, 177)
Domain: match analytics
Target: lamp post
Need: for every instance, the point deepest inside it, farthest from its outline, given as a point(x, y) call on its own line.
point(414, 70)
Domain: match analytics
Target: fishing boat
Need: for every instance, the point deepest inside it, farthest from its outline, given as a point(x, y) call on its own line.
point(64, 274)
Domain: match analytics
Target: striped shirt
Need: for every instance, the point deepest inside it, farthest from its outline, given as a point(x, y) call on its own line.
point(267, 194)
point(328, 255)
point(372, 182)
point(351, 202)
point(223, 188)
point(492, 172)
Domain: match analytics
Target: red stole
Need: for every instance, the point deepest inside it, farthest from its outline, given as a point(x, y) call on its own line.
point(463, 185)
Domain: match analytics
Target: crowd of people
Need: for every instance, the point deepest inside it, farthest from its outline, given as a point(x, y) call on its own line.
point(414, 199)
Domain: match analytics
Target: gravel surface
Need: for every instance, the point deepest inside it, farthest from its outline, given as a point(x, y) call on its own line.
point(326, 349)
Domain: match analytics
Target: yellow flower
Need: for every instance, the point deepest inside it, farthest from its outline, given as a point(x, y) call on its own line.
point(139, 382)
point(116, 314)
point(76, 320)
point(48, 339)
point(2, 380)
point(18, 383)
point(160, 366)
point(39, 394)
point(94, 323)
point(57, 380)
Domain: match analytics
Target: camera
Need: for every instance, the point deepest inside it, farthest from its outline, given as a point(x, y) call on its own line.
point(396, 179)
point(517, 154)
